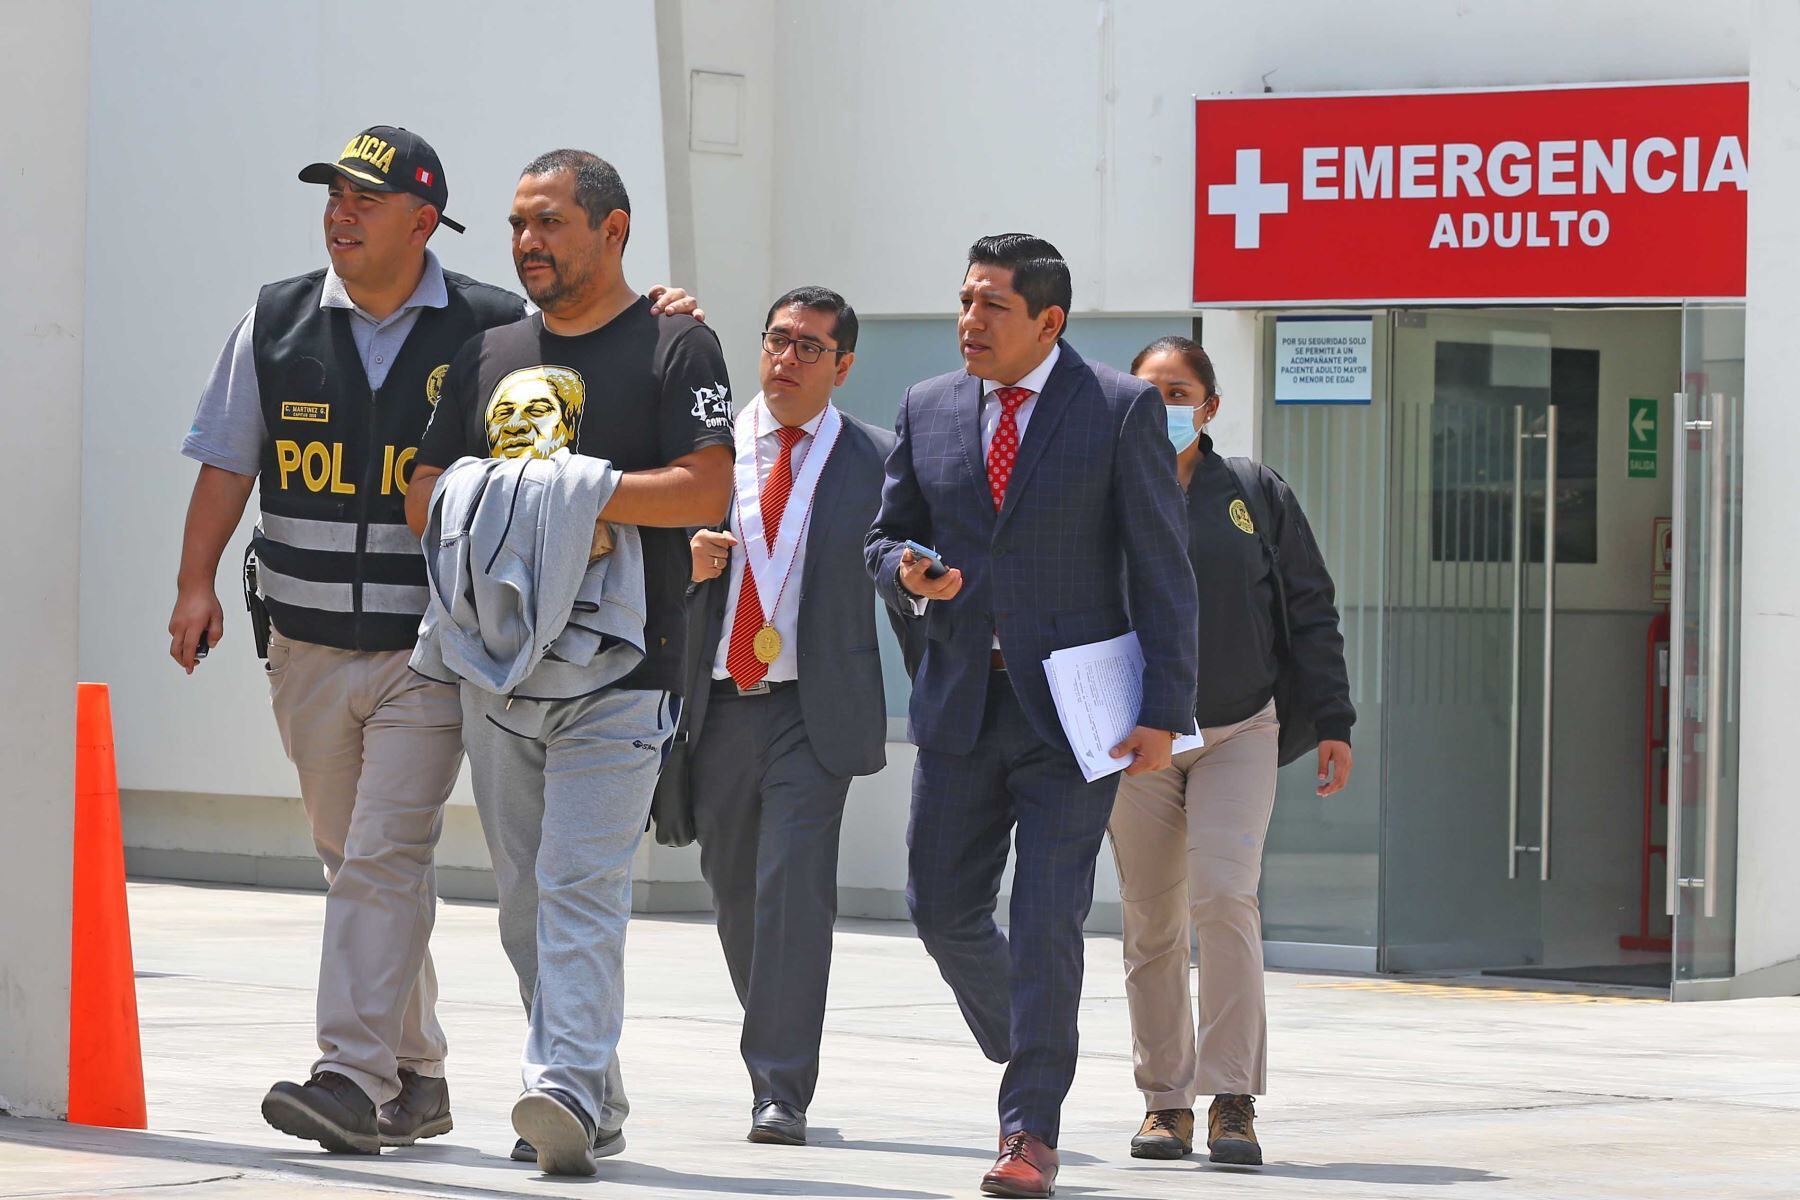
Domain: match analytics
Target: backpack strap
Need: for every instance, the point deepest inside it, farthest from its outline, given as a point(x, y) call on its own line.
point(1247, 474)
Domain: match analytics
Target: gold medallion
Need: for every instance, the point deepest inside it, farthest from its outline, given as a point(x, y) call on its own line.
point(1240, 516)
point(767, 644)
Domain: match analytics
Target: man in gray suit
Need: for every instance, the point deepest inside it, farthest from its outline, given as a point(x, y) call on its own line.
point(784, 695)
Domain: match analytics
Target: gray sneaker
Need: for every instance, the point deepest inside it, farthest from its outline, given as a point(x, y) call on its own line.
point(607, 1142)
point(557, 1132)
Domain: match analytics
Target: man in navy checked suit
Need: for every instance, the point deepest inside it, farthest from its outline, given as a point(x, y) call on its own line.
point(1047, 485)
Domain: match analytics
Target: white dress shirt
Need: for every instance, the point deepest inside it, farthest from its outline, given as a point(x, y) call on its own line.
point(786, 666)
point(991, 408)
point(991, 412)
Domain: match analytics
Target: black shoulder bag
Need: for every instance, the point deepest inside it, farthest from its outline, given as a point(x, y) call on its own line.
point(1298, 733)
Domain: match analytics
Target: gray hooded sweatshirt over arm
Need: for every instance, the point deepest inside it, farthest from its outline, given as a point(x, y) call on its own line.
point(516, 607)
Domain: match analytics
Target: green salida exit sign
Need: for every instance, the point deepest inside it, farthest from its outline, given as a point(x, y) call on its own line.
point(1640, 439)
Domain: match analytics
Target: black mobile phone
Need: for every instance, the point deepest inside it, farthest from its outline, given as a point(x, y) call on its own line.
point(935, 567)
point(200, 648)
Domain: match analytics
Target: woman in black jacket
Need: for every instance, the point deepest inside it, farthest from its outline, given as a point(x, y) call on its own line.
point(1188, 840)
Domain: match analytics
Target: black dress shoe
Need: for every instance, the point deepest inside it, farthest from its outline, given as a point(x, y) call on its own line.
point(328, 1109)
point(774, 1123)
point(607, 1142)
point(421, 1110)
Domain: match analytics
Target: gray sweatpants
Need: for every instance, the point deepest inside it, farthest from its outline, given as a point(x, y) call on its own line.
point(563, 788)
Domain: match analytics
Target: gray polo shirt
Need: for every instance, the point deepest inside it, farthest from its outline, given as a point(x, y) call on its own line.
point(228, 430)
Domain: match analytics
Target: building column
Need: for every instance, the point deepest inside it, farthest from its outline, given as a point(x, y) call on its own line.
point(43, 199)
point(1768, 902)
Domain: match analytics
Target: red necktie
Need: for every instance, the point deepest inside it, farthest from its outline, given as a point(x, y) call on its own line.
point(740, 659)
point(1004, 451)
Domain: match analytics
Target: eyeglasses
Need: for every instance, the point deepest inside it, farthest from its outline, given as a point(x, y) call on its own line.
point(807, 351)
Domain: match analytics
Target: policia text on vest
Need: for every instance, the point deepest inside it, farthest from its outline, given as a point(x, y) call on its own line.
point(337, 564)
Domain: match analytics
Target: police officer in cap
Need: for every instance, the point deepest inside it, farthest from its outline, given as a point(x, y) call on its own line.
point(320, 397)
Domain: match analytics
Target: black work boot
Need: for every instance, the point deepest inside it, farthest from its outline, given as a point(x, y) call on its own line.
point(328, 1109)
point(421, 1110)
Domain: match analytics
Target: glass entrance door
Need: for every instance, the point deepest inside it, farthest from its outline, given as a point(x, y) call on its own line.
point(1704, 610)
point(1520, 613)
point(1473, 447)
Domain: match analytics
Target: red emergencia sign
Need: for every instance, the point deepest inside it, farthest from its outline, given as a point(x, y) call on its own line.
point(1621, 192)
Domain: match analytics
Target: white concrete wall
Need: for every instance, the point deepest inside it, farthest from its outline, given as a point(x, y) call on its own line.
point(940, 120)
point(202, 112)
point(43, 141)
point(1768, 898)
point(732, 192)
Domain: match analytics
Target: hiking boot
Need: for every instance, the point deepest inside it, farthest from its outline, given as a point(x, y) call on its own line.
point(1231, 1131)
point(421, 1110)
point(328, 1109)
point(1165, 1133)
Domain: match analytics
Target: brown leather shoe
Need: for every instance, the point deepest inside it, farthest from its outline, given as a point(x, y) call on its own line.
point(1165, 1133)
point(1026, 1167)
point(1231, 1131)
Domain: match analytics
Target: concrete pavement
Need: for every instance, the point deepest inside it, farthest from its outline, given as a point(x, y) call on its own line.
point(1382, 1088)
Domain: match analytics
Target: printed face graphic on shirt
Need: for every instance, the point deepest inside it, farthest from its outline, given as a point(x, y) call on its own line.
point(535, 412)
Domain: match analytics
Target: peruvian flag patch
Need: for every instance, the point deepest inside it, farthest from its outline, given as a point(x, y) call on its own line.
point(422, 175)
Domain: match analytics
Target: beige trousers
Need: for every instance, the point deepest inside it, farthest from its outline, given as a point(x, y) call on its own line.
point(1188, 842)
point(377, 747)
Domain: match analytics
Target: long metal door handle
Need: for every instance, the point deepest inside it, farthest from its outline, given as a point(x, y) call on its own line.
point(1518, 616)
point(1549, 633)
point(1677, 732)
point(1715, 647)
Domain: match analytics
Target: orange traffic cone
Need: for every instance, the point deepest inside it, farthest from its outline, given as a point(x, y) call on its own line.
point(106, 1063)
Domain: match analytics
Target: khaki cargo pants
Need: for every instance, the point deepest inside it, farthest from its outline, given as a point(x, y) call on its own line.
point(377, 747)
point(1188, 842)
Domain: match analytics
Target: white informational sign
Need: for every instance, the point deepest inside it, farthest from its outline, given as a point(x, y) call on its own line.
point(1324, 360)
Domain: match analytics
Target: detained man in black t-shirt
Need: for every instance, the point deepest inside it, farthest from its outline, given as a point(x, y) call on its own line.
point(564, 791)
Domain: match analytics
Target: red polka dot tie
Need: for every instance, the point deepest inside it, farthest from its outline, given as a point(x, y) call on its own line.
point(740, 659)
point(1004, 451)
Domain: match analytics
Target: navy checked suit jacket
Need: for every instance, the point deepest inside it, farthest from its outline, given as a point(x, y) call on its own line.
point(1091, 542)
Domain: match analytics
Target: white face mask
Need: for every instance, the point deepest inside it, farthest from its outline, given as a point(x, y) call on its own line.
point(1182, 430)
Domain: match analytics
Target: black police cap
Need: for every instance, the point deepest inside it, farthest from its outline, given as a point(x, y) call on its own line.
point(386, 158)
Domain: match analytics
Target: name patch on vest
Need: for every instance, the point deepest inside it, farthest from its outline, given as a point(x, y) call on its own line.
point(295, 410)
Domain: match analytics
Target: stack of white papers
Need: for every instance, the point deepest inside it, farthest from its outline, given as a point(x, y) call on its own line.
point(1098, 689)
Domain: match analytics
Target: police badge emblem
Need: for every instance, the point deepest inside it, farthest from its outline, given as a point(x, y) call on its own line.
point(434, 383)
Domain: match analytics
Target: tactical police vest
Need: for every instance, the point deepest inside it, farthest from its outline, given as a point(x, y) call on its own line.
point(337, 564)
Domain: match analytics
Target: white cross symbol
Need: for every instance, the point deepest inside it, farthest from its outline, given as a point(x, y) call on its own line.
point(1248, 199)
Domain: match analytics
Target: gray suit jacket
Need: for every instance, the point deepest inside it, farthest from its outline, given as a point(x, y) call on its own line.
point(841, 694)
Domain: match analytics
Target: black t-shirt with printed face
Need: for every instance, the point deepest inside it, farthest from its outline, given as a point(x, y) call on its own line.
point(640, 391)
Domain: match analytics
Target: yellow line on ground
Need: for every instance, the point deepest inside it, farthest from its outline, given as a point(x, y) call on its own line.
point(1464, 991)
